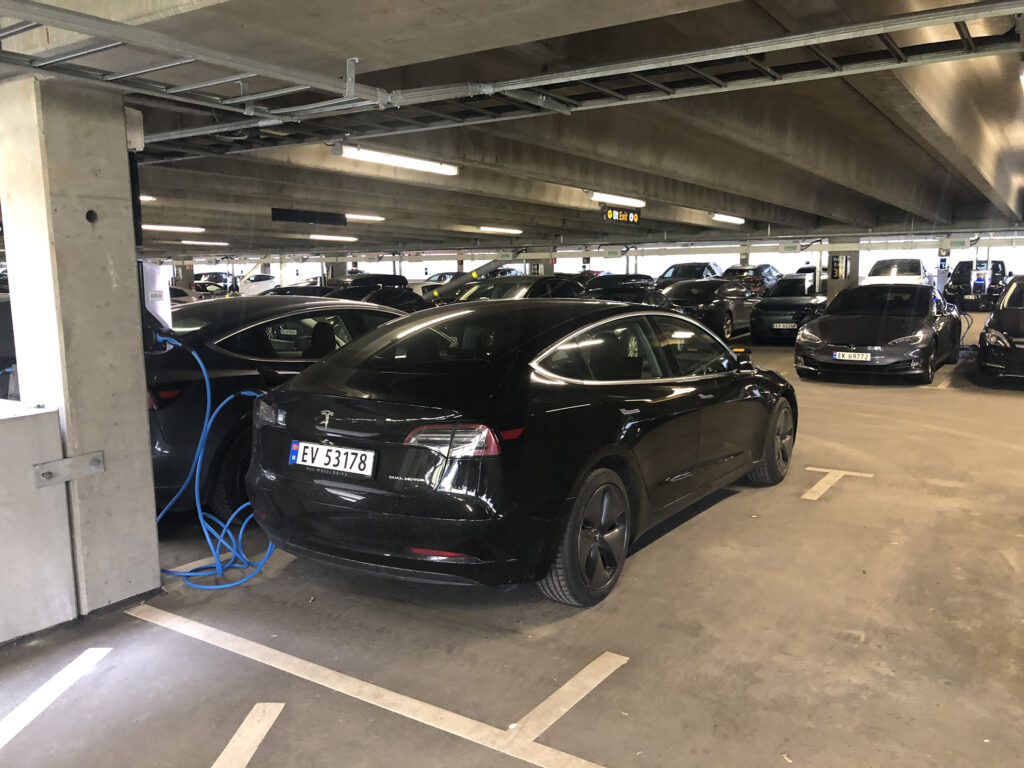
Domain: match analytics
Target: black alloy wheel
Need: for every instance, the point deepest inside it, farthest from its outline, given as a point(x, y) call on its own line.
point(779, 444)
point(727, 326)
point(229, 492)
point(594, 545)
point(927, 376)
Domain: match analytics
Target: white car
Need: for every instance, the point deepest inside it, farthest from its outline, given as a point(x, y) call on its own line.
point(257, 283)
point(904, 271)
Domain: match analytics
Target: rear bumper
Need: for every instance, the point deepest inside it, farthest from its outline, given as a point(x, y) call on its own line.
point(376, 532)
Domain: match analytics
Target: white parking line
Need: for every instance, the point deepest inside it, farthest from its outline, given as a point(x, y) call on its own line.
point(506, 742)
point(47, 693)
point(547, 713)
point(249, 736)
point(832, 476)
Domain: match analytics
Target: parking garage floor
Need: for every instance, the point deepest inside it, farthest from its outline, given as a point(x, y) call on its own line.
point(869, 619)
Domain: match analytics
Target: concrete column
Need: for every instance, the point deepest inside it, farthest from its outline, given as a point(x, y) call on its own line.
point(851, 270)
point(184, 275)
point(66, 198)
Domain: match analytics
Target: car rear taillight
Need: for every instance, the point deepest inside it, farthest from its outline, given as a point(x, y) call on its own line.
point(158, 398)
point(455, 441)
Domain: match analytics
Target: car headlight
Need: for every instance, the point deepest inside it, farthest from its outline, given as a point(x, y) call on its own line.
point(914, 338)
point(994, 338)
point(267, 415)
point(807, 336)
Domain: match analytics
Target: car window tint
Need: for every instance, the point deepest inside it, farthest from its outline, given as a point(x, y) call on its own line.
point(690, 351)
point(362, 321)
point(298, 337)
point(541, 290)
point(615, 351)
point(565, 290)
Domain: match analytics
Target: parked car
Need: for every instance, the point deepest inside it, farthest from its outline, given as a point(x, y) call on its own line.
point(757, 278)
point(224, 279)
point(786, 307)
point(299, 290)
point(1001, 351)
point(521, 287)
point(881, 329)
point(611, 281)
point(633, 293)
point(962, 290)
point(207, 290)
point(896, 271)
point(7, 356)
point(695, 270)
point(254, 342)
point(512, 441)
point(722, 305)
point(182, 295)
point(257, 283)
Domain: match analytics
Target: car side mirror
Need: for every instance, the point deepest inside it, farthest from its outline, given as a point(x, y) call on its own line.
point(744, 360)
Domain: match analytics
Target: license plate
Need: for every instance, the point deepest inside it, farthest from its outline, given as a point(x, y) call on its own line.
point(970, 296)
point(860, 357)
point(784, 326)
point(351, 460)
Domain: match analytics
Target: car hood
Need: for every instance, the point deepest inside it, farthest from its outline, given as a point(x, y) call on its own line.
point(786, 303)
point(864, 330)
point(1009, 321)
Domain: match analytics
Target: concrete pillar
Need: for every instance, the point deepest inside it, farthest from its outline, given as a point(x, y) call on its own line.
point(184, 275)
point(849, 264)
point(66, 198)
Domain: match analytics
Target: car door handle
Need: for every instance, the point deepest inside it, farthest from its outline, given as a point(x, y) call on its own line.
point(629, 411)
point(706, 397)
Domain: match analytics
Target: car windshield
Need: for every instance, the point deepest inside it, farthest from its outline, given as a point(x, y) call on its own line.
point(700, 291)
point(790, 287)
point(498, 289)
point(896, 268)
point(740, 272)
point(962, 272)
point(444, 342)
point(1013, 297)
point(894, 300)
point(685, 270)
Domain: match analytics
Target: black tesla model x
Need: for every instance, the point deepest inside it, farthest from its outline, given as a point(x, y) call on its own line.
point(511, 441)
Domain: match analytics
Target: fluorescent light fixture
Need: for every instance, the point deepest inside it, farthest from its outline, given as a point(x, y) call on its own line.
point(173, 228)
point(501, 230)
point(399, 161)
point(205, 242)
point(146, 198)
point(725, 218)
point(334, 238)
point(625, 202)
point(363, 217)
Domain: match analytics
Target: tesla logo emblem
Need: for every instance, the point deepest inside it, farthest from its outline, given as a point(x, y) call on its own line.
point(326, 416)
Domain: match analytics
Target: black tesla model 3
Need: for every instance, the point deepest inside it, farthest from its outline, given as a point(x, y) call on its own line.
point(893, 329)
point(511, 441)
point(247, 342)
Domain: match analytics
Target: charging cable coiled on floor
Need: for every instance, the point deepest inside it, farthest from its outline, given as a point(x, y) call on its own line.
point(219, 536)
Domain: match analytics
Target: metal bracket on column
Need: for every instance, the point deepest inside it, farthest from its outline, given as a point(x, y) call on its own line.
point(63, 470)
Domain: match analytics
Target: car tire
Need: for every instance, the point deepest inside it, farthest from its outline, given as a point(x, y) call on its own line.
point(778, 446)
point(727, 326)
point(927, 376)
point(228, 492)
point(594, 543)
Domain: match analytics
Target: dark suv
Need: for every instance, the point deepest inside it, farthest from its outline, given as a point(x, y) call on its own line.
point(963, 292)
point(757, 279)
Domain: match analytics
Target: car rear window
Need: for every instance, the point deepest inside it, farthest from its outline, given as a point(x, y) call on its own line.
point(685, 270)
point(740, 272)
point(699, 291)
point(896, 268)
point(790, 287)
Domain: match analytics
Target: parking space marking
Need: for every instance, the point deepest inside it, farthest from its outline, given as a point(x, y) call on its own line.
point(547, 713)
point(47, 693)
point(464, 727)
point(832, 476)
point(249, 736)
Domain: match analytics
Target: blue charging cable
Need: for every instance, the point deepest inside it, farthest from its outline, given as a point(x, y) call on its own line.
point(219, 537)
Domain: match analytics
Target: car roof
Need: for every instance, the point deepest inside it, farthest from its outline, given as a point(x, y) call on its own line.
point(218, 316)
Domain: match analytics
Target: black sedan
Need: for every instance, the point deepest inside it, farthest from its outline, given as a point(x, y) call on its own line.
point(786, 307)
point(971, 288)
point(632, 293)
point(511, 441)
point(895, 329)
point(521, 287)
point(757, 279)
point(249, 342)
point(613, 281)
point(1002, 341)
point(722, 305)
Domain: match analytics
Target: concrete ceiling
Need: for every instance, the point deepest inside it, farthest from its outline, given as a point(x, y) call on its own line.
point(932, 148)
